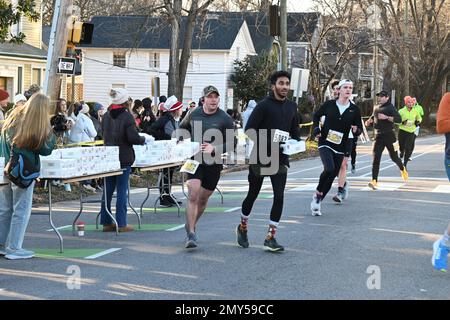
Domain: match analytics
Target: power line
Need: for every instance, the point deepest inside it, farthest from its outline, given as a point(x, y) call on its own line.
point(153, 69)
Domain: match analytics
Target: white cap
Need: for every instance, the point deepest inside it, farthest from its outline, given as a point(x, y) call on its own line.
point(85, 109)
point(19, 97)
point(118, 95)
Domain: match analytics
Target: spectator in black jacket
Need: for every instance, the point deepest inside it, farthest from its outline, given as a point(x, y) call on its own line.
point(163, 129)
point(119, 129)
point(147, 117)
point(383, 118)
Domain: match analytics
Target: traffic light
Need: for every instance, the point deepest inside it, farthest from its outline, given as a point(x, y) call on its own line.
point(81, 32)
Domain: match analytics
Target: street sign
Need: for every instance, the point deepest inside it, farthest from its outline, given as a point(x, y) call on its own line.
point(66, 65)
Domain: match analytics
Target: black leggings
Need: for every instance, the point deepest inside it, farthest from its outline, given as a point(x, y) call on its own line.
point(384, 141)
point(332, 162)
point(255, 183)
point(406, 143)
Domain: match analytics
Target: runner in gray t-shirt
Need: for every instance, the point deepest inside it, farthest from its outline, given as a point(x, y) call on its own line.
point(203, 182)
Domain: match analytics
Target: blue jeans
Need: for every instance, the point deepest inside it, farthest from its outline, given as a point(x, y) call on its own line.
point(447, 167)
point(15, 212)
point(121, 182)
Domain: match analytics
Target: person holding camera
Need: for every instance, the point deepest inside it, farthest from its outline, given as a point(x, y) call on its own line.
point(27, 131)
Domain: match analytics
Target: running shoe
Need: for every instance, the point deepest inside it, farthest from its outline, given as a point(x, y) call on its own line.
point(315, 206)
point(271, 244)
point(242, 238)
point(373, 184)
point(404, 174)
point(440, 253)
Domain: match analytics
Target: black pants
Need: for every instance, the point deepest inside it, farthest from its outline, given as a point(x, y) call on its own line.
point(331, 165)
point(166, 177)
point(385, 140)
point(406, 143)
point(255, 183)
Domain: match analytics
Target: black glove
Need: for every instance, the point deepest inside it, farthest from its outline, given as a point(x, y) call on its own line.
point(316, 131)
point(417, 122)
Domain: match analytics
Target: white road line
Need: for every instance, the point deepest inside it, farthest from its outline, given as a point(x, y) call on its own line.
point(60, 228)
point(442, 188)
point(430, 150)
point(176, 228)
point(100, 254)
point(233, 209)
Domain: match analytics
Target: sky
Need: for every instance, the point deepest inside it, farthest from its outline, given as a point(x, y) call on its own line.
point(299, 5)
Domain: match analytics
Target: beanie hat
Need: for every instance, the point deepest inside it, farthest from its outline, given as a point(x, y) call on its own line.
point(407, 99)
point(118, 95)
point(19, 97)
point(3, 95)
point(147, 103)
point(172, 104)
point(84, 108)
point(344, 81)
point(97, 107)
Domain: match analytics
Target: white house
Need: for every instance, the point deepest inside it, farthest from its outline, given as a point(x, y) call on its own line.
point(129, 51)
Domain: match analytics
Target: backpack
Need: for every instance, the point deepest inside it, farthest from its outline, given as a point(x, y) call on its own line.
point(20, 170)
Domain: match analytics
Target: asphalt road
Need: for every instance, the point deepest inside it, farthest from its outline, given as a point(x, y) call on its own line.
point(376, 245)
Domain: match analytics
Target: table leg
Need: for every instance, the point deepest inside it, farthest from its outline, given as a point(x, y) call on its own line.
point(50, 214)
point(160, 178)
point(106, 207)
point(220, 192)
point(146, 198)
point(131, 206)
point(79, 213)
point(170, 194)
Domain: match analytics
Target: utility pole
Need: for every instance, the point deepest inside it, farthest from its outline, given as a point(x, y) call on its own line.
point(57, 46)
point(405, 43)
point(283, 33)
point(375, 49)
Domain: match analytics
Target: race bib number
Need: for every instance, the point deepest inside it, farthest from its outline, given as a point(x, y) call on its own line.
point(190, 166)
point(280, 136)
point(335, 137)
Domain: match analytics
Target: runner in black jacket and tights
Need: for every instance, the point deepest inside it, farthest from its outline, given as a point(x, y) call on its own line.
point(338, 117)
point(274, 112)
point(383, 118)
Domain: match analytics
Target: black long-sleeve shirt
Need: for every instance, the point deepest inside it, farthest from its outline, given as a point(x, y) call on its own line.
point(341, 123)
point(271, 114)
point(385, 126)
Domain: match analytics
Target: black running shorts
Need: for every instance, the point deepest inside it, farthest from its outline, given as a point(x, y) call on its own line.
point(209, 175)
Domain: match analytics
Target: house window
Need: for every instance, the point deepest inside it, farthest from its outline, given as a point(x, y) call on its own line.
point(3, 83)
point(154, 59)
point(119, 59)
point(37, 76)
point(19, 79)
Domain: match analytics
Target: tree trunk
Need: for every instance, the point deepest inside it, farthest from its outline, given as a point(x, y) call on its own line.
point(175, 18)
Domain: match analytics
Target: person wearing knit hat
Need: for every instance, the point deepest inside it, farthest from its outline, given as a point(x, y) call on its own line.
point(147, 116)
point(4, 95)
point(34, 88)
point(163, 129)
point(19, 100)
point(119, 130)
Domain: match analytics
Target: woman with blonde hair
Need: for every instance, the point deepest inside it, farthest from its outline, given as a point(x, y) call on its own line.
point(27, 131)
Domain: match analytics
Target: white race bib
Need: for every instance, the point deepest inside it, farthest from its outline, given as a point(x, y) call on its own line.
point(335, 136)
point(190, 166)
point(280, 136)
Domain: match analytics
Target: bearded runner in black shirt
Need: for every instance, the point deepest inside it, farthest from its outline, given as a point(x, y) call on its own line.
point(340, 116)
point(383, 118)
point(274, 112)
point(213, 144)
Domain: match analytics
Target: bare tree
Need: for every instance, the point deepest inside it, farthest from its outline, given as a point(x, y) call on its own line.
point(419, 41)
point(178, 64)
point(334, 44)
